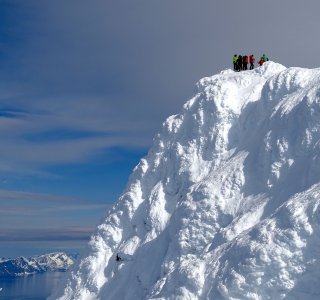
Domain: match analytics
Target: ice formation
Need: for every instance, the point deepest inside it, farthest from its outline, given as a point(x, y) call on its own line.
point(226, 203)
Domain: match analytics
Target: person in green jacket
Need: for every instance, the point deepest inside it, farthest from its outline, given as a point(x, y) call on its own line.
point(235, 62)
point(265, 58)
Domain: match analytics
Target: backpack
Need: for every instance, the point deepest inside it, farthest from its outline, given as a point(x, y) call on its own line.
point(252, 59)
point(246, 59)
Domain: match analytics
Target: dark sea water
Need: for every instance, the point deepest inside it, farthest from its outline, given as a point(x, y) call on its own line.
point(33, 287)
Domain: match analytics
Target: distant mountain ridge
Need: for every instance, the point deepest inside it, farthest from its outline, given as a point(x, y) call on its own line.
point(22, 266)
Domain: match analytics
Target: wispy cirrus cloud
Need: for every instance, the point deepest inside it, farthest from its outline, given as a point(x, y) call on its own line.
point(8, 195)
point(36, 212)
point(18, 201)
point(28, 216)
point(49, 234)
point(35, 140)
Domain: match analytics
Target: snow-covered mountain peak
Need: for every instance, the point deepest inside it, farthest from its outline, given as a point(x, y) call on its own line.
point(225, 204)
point(21, 266)
point(232, 90)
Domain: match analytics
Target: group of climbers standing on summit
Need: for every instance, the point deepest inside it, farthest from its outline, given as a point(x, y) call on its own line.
point(240, 62)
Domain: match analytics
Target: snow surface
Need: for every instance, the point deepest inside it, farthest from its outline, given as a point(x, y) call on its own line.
point(226, 203)
point(21, 266)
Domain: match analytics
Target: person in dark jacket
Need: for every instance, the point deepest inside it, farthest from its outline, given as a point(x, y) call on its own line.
point(252, 60)
point(118, 258)
point(239, 63)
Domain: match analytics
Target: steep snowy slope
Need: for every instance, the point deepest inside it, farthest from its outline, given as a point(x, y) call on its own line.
point(226, 203)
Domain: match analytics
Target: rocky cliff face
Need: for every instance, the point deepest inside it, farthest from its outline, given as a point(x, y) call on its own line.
point(226, 203)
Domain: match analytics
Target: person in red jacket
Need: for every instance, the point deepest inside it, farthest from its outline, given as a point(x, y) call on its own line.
point(252, 60)
point(245, 62)
point(261, 61)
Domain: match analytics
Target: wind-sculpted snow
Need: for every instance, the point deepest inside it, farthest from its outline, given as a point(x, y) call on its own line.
point(226, 203)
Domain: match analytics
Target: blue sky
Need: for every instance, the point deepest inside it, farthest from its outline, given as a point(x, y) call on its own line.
point(67, 148)
point(85, 87)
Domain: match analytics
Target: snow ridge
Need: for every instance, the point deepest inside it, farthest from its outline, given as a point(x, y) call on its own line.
point(21, 266)
point(226, 203)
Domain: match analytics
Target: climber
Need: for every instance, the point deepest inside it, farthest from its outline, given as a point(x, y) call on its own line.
point(235, 60)
point(252, 60)
point(265, 58)
point(261, 62)
point(239, 63)
point(118, 258)
point(245, 62)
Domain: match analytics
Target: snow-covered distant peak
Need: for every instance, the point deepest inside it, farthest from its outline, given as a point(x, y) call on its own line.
point(54, 261)
point(226, 203)
point(57, 261)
